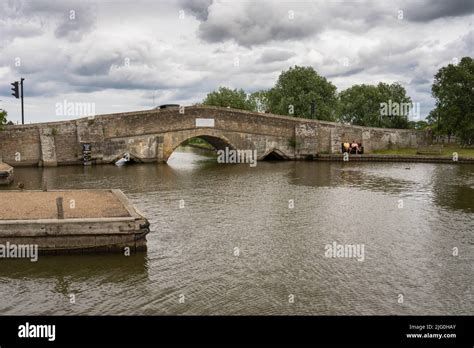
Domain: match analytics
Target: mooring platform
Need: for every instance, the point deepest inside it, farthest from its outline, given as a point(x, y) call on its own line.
point(6, 174)
point(72, 221)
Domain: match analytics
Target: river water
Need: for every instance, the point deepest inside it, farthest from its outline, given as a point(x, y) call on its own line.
point(234, 239)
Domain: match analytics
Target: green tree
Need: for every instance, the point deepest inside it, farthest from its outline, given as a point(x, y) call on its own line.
point(453, 89)
point(3, 117)
point(233, 98)
point(418, 125)
point(395, 96)
point(260, 100)
point(434, 118)
point(384, 105)
point(360, 105)
point(297, 88)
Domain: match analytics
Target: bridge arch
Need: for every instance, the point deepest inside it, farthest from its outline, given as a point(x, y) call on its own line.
point(213, 137)
point(274, 154)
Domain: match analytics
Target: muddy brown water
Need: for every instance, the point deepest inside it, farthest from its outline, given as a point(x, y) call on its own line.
point(232, 239)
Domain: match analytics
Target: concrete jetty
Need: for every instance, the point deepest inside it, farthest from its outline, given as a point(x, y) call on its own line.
point(393, 158)
point(6, 174)
point(72, 221)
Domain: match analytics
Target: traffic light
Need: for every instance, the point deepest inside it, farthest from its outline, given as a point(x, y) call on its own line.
point(16, 93)
point(15, 90)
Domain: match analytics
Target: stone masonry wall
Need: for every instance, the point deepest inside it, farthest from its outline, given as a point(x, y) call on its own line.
point(152, 135)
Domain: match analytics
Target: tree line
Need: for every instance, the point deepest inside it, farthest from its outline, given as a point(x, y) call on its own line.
point(302, 92)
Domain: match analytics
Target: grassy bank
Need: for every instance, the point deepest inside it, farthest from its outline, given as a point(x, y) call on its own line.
point(446, 150)
point(199, 143)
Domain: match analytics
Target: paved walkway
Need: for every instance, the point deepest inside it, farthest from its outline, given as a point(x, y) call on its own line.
point(32, 205)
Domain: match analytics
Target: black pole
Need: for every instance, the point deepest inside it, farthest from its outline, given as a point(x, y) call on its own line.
point(22, 108)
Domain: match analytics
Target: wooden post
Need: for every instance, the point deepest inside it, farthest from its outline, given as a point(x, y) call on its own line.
point(59, 205)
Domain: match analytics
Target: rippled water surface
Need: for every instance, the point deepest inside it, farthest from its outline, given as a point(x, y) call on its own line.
point(237, 248)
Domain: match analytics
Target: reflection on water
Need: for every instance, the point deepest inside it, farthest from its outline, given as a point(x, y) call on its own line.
point(351, 175)
point(48, 285)
point(191, 250)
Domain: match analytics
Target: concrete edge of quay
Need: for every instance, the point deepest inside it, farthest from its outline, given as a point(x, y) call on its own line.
point(392, 158)
point(78, 235)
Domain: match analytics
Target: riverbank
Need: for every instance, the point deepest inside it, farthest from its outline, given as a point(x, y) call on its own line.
point(394, 158)
point(434, 151)
point(201, 147)
point(72, 220)
point(198, 143)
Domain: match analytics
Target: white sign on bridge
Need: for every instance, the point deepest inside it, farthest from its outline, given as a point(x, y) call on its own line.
point(204, 122)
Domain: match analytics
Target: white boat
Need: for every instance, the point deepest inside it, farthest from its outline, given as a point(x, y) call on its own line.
point(6, 174)
point(125, 158)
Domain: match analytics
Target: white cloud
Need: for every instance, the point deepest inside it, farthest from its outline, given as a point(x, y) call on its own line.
point(119, 55)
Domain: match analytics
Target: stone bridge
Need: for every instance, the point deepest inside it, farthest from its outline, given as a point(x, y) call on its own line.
point(153, 135)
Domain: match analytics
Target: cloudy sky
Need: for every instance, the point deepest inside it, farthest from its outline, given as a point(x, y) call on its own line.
point(132, 55)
